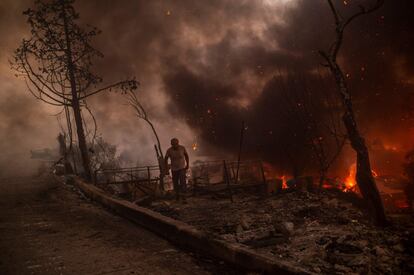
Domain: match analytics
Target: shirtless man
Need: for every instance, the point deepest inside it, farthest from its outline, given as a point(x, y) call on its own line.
point(179, 165)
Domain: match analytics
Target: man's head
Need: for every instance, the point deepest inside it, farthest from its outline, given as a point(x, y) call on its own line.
point(174, 142)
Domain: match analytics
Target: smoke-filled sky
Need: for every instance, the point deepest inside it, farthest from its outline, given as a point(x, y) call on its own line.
point(204, 66)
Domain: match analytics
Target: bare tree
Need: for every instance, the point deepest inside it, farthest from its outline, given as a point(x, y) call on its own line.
point(142, 114)
point(364, 177)
point(56, 62)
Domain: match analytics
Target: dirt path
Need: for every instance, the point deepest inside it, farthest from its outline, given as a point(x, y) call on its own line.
point(48, 228)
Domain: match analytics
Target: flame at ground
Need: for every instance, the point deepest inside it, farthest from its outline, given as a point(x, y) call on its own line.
point(273, 173)
point(284, 180)
point(350, 181)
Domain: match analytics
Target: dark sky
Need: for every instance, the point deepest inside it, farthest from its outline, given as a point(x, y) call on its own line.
point(206, 65)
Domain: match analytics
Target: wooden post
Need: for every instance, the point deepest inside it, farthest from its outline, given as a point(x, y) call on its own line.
point(233, 173)
point(161, 166)
point(239, 155)
point(263, 177)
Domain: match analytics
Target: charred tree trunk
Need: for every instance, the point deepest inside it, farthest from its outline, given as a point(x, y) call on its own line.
point(70, 134)
point(156, 137)
point(81, 138)
point(75, 100)
point(364, 177)
point(160, 156)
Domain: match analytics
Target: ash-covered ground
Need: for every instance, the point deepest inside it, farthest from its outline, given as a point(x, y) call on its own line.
point(321, 231)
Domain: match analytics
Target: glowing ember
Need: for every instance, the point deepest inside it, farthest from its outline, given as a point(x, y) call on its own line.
point(194, 146)
point(389, 147)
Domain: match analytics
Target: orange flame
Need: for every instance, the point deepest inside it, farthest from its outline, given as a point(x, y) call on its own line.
point(350, 181)
point(284, 180)
point(272, 172)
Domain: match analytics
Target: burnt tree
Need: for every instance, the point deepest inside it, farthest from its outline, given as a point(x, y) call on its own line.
point(364, 177)
point(141, 113)
point(56, 63)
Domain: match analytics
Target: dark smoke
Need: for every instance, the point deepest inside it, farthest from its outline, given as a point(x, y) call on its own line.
point(207, 65)
point(377, 54)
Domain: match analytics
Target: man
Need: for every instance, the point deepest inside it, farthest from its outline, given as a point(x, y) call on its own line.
point(179, 165)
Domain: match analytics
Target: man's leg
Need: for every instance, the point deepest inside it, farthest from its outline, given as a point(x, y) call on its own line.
point(182, 184)
point(183, 181)
point(176, 184)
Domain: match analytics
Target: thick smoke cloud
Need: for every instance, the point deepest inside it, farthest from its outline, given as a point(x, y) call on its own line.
point(206, 65)
point(377, 56)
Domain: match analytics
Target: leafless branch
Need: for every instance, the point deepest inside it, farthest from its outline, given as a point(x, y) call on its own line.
point(123, 85)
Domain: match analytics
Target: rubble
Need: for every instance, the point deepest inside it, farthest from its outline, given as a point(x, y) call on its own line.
point(319, 231)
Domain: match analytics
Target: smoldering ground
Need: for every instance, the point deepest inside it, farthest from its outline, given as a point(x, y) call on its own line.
point(204, 66)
